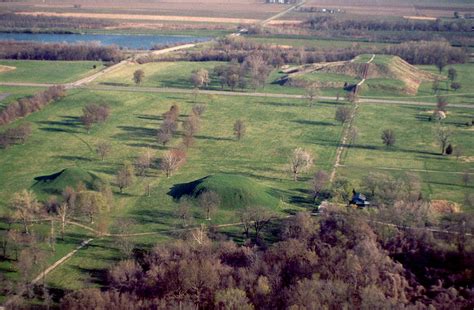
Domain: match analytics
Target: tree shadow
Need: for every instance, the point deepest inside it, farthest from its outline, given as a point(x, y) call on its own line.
point(74, 158)
point(69, 122)
point(313, 123)
point(150, 117)
point(214, 138)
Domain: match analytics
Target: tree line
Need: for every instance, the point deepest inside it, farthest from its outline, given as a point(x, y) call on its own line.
point(228, 49)
point(28, 105)
point(333, 23)
point(59, 51)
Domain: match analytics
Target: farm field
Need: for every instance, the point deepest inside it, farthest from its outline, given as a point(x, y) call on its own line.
point(48, 72)
point(416, 149)
point(208, 8)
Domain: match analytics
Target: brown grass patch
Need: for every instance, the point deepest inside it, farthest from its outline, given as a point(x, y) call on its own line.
point(6, 68)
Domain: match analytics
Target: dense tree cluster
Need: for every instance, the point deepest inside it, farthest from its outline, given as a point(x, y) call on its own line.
point(342, 262)
point(59, 51)
point(28, 105)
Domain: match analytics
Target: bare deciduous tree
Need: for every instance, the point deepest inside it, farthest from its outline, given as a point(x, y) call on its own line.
point(138, 76)
point(300, 161)
point(442, 135)
point(172, 160)
point(125, 176)
point(388, 137)
point(143, 162)
point(63, 214)
point(183, 212)
point(200, 78)
point(209, 201)
point(25, 207)
point(311, 93)
point(239, 129)
point(319, 182)
point(343, 114)
point(257, 217)
point(103, 149)
point(198, 109)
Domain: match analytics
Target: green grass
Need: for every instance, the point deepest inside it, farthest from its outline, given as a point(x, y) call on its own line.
point(465, 95)
point(55, 183)
point(159, 74)
point(380, 87)
point(15, 93)
point(416, 149)
point(235, 192)
point(50, 72)
point(257, 163)
point(274, 128)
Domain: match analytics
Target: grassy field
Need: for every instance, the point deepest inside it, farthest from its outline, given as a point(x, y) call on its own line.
point(135, 117)
point(416, 149)
point(274, 128)
point(33, 71)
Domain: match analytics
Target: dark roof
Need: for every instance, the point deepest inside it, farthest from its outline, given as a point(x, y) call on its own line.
point(359, 199)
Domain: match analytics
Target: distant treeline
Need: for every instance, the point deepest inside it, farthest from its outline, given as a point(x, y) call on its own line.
point(59, 51)
point(227, 49)
point(28, 105)
point(15, 21)
point(332, 23)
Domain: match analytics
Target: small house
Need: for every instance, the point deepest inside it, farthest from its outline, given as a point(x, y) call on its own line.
point(359, 200)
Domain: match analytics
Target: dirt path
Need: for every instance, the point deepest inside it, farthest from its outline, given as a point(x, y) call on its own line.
point(268, 20)
point(347, 129)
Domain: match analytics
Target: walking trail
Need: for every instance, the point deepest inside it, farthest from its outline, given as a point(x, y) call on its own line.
point(347, 130)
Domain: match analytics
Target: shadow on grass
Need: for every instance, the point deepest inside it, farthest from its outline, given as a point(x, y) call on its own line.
point(214, 138)
point(147, 216)
point(184, 189)
point(73, 158)
point(150, 117)
point(313, 123)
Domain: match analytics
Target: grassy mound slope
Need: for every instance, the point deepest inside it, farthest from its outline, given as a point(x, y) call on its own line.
point(383, 67)
point(234, 191)
point(56, 182)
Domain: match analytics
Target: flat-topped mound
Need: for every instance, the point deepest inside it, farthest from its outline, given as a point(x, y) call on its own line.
point(235, 191)
point(381, 67)
point(57, 182)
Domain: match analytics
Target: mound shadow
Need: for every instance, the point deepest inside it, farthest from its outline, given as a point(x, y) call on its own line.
point(184, 189)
